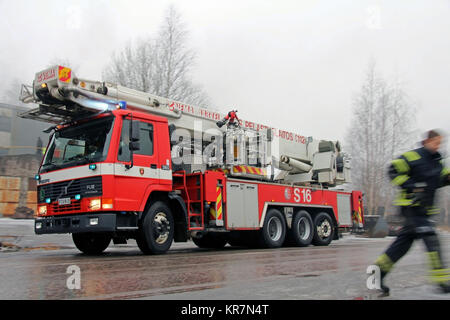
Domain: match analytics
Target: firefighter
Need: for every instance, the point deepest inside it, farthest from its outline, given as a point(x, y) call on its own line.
point(232, 118)
point(418, 173)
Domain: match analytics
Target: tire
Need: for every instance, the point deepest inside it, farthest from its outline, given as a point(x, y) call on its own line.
point(302, 230)
point(211, 241)
point(323, 229)
point(91, 243)
point(156, 229)
point(273, 232)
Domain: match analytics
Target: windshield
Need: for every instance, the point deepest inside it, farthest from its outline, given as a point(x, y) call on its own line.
point(80, 144)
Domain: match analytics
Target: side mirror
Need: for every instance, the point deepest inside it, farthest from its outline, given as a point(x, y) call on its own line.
point(134, 131)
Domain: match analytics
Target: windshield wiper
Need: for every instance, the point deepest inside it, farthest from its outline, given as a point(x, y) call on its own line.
point(49, 166)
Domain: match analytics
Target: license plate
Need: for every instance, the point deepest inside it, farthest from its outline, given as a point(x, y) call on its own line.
point(63, 201)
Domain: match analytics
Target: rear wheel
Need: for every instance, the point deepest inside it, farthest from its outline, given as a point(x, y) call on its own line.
point(273, 232)
point(324, 229)
point(211, 241)
point(91, 243)
point(156, 229)
point(302, 230)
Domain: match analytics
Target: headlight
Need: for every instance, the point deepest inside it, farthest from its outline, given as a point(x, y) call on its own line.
point(42, 210)
point(95, 204)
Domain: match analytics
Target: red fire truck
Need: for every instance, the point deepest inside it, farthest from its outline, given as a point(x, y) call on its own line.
point(123, 164)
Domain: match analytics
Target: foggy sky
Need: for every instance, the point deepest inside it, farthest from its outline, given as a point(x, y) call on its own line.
point(294, 65)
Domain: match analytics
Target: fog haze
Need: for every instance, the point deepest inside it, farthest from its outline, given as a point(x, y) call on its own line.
point(294, 65)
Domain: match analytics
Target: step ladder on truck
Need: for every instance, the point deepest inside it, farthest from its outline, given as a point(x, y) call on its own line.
point(124, 164)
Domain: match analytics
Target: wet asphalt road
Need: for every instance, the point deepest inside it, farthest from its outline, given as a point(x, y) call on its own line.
point(35, 267)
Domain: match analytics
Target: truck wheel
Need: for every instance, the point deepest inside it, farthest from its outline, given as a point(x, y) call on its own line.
point(91, 243)
point(156, 229)
point(302, 230)
point(273, 232)
point(324, 230)
point(211, 241)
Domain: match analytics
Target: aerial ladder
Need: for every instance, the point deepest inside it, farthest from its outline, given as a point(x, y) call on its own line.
point(254, 150)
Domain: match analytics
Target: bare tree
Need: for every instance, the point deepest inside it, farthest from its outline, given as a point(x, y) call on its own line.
point(381, 128)
point(160, 65)
point(12, 93)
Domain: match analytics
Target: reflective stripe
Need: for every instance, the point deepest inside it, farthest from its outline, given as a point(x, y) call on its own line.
point(219, 203)
point(400, 165)
point(411, 156)
point(445, 172)
point(384, 262)
point(439, 275)
point(435, 261)
point(401, 199)
point(399, 180)
point(440, 272)
point(433, 210)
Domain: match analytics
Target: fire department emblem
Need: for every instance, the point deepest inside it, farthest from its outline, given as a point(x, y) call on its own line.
point(141, 171)
point(287, 193)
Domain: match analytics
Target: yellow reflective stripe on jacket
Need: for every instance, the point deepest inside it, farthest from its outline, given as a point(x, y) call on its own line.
point(400, 165)
point(411, 156)
point(401, 199)
point(399, 180)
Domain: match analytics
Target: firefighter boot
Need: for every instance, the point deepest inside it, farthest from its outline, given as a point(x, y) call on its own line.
point(385, 264)
point(383, 288)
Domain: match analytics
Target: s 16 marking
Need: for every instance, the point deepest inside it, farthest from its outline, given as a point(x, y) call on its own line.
point(302, 195)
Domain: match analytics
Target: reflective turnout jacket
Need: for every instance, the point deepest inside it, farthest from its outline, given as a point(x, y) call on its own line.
point(416, 170)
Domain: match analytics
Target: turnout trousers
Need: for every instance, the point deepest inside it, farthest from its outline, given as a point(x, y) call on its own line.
point(417, 226)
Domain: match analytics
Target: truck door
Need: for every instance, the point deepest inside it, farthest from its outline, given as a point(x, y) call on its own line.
point(132, 183)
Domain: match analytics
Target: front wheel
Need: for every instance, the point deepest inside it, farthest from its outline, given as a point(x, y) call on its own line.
point(156, 229)
point(91, 243)
point(324, 230)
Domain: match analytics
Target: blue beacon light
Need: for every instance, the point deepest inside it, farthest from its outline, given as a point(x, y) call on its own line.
point(122, 105)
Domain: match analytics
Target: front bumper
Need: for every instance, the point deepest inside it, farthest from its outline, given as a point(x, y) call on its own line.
point(105, 222)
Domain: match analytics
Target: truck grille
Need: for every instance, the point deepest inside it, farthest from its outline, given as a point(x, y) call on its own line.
point(75, 205)
point(86, 187)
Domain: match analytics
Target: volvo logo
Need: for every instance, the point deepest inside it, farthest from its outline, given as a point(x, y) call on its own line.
point(65, 189)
